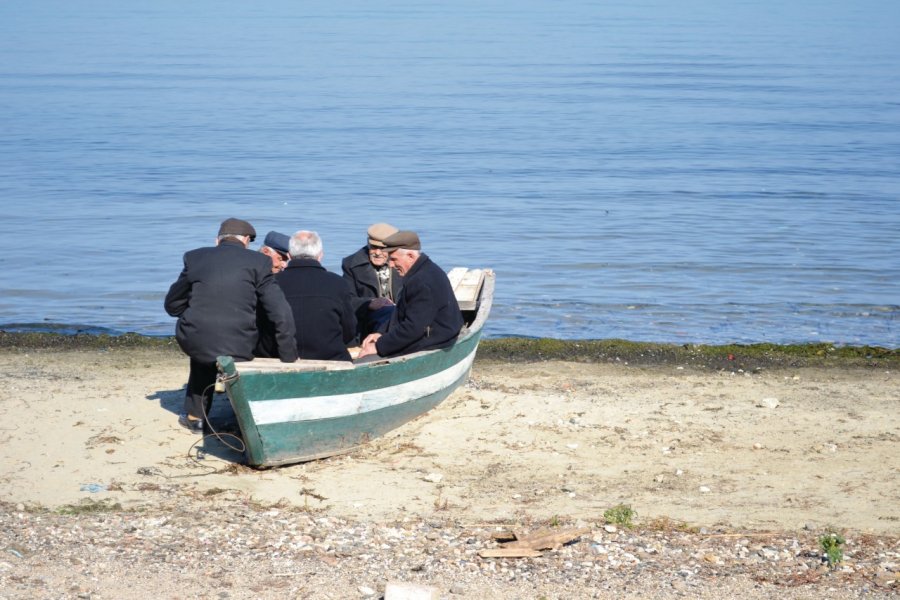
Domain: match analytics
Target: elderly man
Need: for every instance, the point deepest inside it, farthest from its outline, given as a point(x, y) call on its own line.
point(275, 246)
point(374, 283)
point(216, 298)
point(427, 314)
point(320, 301)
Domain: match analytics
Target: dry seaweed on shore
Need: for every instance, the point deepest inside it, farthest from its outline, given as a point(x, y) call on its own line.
point(731, 357)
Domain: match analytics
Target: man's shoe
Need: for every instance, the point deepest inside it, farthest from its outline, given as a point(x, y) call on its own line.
point(192, 425)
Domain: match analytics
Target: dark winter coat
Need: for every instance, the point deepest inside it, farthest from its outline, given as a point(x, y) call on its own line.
point(323, 314)
point(360, 276)
point(427, 314)
point(216, 298)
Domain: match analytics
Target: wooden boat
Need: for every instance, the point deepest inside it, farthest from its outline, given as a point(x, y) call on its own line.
point(294, 412)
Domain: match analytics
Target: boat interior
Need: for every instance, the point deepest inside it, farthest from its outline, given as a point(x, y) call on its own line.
point(468, 285)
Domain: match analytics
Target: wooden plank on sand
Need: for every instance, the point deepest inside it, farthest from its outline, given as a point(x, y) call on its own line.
point(543, 540)
point(508, 553)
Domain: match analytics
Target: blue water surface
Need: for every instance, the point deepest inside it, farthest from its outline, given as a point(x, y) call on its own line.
point(676, 172)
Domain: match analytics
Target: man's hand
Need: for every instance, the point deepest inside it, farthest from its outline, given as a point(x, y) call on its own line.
point(368, 345)
point(377, 303)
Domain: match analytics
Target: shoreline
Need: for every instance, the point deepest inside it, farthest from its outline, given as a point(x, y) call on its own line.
point(729, 357)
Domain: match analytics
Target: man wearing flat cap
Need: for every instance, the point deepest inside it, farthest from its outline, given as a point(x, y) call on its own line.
point(216, 298)
point(275, 246)
point(375, 284)
point(427, 314)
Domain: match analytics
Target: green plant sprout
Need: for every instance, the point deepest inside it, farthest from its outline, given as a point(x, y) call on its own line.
point(621, 514)
point(832, 545)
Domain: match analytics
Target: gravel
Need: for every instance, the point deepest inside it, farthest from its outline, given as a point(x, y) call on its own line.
point(189, 548)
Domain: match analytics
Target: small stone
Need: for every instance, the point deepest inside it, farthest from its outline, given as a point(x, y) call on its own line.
point(457, 589)
point(409, 591)
point(20, 507)
point(768, 403)
point(434, 477)
point(704, 489)
point(757, 446)
point(610, 528)
point(366, 591)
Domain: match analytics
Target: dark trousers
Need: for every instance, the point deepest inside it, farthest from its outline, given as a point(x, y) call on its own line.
point(379, 319)
point(200, 389)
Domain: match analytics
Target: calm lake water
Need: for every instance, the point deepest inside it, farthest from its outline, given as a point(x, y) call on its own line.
point(677, 172)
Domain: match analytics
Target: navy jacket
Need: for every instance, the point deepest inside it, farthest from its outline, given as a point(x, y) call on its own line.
point(216, 298)
point(427, 314)
point(323, 315)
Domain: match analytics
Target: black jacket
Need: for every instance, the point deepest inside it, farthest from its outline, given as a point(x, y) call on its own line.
point(323, 316)
point(216, 298)
point(360, 276)
point(427, 314)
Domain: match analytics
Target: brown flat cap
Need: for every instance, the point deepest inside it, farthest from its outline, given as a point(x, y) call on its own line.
point(378, 232)
point(405, 240)
point(237, 227)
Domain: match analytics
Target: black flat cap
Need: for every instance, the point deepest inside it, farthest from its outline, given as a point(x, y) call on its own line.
point(405, 240)
point(237, 227)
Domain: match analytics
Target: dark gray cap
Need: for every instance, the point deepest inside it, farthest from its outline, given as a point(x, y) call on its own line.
point(237, 227)
point(405, 240)
point(278, 241)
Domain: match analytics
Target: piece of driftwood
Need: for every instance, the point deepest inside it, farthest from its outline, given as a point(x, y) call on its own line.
point(504, 536)
point(508, 553)
point(530, 546)
point(544, 540)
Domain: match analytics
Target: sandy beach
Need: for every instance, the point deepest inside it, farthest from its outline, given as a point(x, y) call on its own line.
point(709, 457)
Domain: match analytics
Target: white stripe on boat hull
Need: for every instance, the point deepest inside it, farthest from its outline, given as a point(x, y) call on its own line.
point(289, 410)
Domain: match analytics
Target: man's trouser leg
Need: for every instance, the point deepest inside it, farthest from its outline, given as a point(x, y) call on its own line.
point(201, 382)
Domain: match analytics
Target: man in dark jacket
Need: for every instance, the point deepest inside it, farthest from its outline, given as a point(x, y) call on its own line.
point(320, 301)
point(216, 298)
point(427, 314)
point(374, 283)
